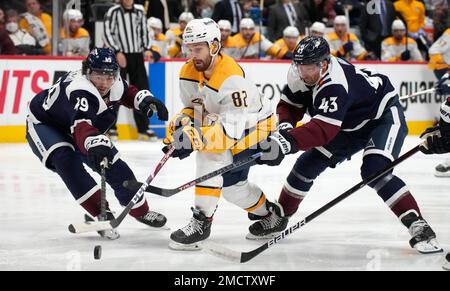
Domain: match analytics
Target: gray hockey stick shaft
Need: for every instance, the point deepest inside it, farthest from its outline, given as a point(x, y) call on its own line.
point(432, 90)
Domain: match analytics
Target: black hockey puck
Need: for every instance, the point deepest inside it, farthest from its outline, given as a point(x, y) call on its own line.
point(97, 252)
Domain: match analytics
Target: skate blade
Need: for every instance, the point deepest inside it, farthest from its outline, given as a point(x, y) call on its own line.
point(250, 236)
point(442, 174)
point(198, 246)
point(429, 247)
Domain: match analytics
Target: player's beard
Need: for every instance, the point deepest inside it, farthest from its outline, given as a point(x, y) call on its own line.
point(202, 65)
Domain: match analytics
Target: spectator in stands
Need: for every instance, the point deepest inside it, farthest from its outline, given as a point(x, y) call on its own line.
point(158, 8)
point(174, 36)
point(412, 12)
point(283, 14)
point(201, 8)
point(252, 45)
point(38, 24)
point(291, 37)
point(159, 43)
point(6, 44)
point(317, 29)
point(230, 10)
point(353, 7)
point(344, 44)
point(23, 41)
point(226, 40)
point(441, 18)
point(75, 39)
point(375, 26)
point(440, 55)
point(126, 33)
point(2, 19)
point(395, 48)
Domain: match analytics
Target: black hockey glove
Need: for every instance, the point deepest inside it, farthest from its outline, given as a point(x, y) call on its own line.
point(275, 147)
point(147, 104)
point(98, 148)
point(435, 141)
point(443, 85)
point(348, 47)
point(405, 56)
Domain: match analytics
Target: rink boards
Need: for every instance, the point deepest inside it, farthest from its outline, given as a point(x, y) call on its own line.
point(22, 77)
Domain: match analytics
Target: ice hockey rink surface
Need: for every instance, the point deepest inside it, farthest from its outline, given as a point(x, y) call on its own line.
point(360, 233)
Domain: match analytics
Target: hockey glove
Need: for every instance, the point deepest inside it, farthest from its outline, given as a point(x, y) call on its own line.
point(178, 121)
point(147, 104)
point(435, 142)
point(277, 145)
point(348, 47)
point(406, 55)
point(443, 85)
point(98, 148)
point(186, 140)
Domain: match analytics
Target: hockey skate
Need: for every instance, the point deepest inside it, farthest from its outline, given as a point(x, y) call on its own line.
point(111, 234)
point(149, 135)
point(443, 170)
point(446, 265)
point(423, 237)
point(270, 225)
point(153, 219)
point(190, 237)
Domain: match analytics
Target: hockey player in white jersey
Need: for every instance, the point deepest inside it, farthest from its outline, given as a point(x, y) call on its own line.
point(224, 115)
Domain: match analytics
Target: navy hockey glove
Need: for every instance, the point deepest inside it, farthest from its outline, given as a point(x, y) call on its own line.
point(348, 47)
point(277, 145)
point(147, 104)
point(435, 141)
point(443, 85)
point(98, 148)
point(406, 55)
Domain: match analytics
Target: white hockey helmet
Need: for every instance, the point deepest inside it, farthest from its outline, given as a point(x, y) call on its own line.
point(340, 19)
point(154, 22)
point(224, 24)
point(186, 17)
point(247, 23)
point(72, 14)
point(201, 30)
point(318, 27)
point(291, 31)
point(398, 25)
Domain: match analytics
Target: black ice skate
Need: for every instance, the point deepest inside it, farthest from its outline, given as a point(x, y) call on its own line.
point(423, 237)
point(153, 219)
point(191, 236)
point(270, 225)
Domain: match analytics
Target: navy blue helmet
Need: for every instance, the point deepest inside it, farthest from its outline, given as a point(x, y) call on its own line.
point(102, 60)
point(311, 50)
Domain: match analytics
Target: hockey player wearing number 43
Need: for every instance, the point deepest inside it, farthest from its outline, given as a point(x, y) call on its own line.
point(66, 127)
point(224, 116)
point(352, 110)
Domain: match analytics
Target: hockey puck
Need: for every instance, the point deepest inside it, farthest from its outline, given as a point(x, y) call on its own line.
point(97, 252)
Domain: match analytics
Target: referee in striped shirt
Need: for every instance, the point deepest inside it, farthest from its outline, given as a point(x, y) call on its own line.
point(125, 31)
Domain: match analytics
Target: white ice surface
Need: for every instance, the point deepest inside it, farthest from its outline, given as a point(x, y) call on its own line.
point(359, 233)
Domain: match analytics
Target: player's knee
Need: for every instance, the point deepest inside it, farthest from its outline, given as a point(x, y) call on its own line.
point(62, 158)
point(373, 164)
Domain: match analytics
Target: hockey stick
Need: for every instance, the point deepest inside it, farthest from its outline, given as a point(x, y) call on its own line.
point(132, 185)
point(242, 257)
point(104, 225)
point(432, 90)
point(103, 165)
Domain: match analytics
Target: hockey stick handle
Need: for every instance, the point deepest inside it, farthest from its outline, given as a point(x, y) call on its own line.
point(245, 257)
point(169, 192)
point(140, 192)
point(432, 90)
point(103, 167)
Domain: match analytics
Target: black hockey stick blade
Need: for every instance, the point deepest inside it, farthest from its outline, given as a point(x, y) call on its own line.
point(242, 257)
point(133, 185)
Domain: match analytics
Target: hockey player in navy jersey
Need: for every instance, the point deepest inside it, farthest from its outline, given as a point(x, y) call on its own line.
point(66, 127)
point(351, 110)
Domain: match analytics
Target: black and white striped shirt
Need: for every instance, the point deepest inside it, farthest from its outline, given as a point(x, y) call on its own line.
point(126, 31)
